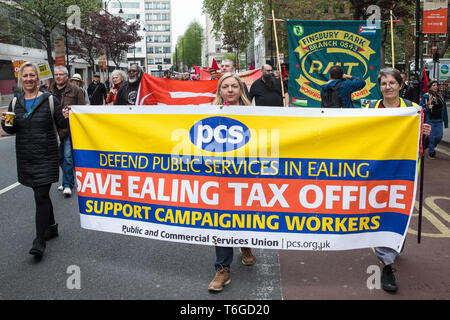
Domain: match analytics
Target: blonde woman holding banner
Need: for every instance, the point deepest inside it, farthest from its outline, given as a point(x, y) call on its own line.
point(230, 92)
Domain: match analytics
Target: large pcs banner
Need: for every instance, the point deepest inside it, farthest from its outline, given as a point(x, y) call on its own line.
point(276, 178)
point(316, 46)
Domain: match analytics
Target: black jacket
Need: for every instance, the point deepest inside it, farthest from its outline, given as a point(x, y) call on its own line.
point(128, 93)
point(36, 142)
point(97, 93)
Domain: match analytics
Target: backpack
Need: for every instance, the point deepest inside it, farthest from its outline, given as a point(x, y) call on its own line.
point(331, 97)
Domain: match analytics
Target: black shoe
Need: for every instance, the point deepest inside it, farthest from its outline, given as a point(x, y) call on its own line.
point(51, 232)
point(388, 280)
point(38, 248)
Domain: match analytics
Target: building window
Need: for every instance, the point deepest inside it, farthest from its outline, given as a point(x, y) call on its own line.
point(157, 16)
point(157, 5)
point(125, 5)
point(157, 27)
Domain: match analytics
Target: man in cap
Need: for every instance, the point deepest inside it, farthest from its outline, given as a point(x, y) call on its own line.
point(97, 91)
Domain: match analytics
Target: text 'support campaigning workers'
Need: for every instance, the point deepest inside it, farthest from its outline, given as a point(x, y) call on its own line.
point(278, 178)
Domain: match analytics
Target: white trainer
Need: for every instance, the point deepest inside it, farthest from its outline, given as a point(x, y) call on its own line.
point(67, 192)
point(60, 188)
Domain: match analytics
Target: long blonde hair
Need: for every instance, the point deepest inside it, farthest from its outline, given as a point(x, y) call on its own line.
point(19, 77)
point(243, 100)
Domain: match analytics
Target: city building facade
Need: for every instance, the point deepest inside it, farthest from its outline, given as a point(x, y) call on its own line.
point(214, 49)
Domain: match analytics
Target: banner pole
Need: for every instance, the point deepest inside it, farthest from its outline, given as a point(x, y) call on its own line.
point(392, 41)
point(422, 170)
point(419, 227)
point(278, 57)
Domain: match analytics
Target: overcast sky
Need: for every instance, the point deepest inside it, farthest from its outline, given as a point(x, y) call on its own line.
point(183, 13)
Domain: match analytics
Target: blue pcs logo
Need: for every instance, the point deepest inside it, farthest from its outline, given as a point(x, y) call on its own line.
point(219, 134)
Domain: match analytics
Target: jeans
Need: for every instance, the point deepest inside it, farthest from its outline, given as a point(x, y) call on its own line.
point(44, 210)
point(437, 130)
point(224, 257)
point(66, 163)
point(386, 255)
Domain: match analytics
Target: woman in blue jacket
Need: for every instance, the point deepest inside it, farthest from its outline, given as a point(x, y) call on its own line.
point(435, 114)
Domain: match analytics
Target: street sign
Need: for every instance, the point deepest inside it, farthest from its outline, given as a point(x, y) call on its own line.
point(435, 16)
point(16, 66)
point(60, 51)
point(44, 70)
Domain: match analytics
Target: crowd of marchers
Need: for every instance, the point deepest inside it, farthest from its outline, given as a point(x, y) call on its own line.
point(43, 142)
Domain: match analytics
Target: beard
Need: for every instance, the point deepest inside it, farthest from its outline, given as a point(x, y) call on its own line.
point(132, 80)
point(269, 80)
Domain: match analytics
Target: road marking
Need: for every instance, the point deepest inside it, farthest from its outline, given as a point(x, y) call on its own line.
point(443, 230)
point(443, 151)
point(9, 188)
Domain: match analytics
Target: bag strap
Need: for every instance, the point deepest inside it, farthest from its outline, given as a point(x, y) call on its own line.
point(13, 105)
point(51, 104)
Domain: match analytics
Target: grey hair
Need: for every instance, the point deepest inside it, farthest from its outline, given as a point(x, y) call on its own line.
point(63, 69)
point(390, 72)
point(229, 60)
point(141, 71)
point(121, 74)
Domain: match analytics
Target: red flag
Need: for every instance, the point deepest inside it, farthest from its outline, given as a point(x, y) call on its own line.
point(214, 65)
point(204, 74)
point(252, 67)
point(160, 91)
point(197, 69)
point(425, 81)
point(284, 72)
point(250, 76)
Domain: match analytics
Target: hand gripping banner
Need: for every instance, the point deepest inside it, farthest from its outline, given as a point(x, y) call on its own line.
point(316, 46)
point(276, 178)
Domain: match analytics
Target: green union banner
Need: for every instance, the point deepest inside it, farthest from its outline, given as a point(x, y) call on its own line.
point(316, 46)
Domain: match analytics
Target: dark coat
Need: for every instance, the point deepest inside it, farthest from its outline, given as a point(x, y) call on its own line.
point(97, 93)
point(72, 96)
point(36, 142)
point(346, 89)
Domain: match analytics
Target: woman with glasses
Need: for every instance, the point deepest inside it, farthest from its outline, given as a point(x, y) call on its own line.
point(390, 81)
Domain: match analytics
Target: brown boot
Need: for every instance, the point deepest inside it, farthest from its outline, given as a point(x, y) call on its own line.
point(221, 279)
point(247, 256)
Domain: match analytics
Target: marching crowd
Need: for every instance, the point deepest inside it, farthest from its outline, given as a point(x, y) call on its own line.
point(43, 143)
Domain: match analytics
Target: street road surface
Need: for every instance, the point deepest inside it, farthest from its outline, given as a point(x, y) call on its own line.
point(114, 266)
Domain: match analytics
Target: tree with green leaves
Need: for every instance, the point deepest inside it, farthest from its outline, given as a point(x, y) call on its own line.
point(402, 10)
point(39, 19)
point(193, 44)
point(343, 10)
point(189, 46)
point(235, 21)
point(298, 10)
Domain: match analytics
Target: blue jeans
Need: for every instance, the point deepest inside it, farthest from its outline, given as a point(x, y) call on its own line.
point(437, 130)
point(66, 163)
point(224, 257)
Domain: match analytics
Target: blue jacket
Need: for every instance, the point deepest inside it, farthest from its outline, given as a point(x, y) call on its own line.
point(345, 90)
point(426, 108)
